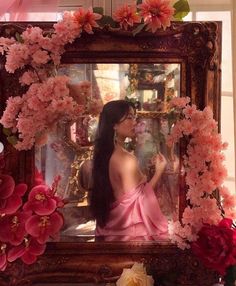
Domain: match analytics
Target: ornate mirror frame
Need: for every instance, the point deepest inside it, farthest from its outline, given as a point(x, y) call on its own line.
point(196, 46)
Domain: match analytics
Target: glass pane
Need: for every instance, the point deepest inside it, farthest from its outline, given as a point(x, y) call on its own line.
point(69, 150)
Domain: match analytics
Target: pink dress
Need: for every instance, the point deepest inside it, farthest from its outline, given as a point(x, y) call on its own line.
point(135, 216)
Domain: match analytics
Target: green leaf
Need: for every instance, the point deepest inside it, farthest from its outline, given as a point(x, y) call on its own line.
point(139, 2)
point(230, 276)
point(12, 139)
point(98, 10)
point(19, 38)
point(181, 9)
point(138, 29)
point(6, 131)
point(107, 20)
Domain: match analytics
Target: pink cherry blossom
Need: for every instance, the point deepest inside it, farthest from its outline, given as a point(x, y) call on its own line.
point(28, 78)
point(5, 43)
point(32, 35)
point(180, 102)
point(205, 172)
point(61, 36)
point(40, 57)
point(18, 56)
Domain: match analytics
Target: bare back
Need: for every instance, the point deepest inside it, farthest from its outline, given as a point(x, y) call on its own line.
point(124, 172)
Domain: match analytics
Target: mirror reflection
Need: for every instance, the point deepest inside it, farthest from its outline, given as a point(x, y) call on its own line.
point(69, 150)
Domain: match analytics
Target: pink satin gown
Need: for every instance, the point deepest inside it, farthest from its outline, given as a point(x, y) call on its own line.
point(135, 216)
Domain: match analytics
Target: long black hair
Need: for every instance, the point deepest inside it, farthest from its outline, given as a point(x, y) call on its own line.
point(101, 195)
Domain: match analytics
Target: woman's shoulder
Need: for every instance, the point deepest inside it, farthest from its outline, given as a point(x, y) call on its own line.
point(124, 158)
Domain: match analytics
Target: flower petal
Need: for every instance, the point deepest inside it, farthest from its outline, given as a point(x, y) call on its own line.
point(36, 248)
point(7, 185)
point(16, 252)
point(20, 189)
point(28, 258)
point(13, 203)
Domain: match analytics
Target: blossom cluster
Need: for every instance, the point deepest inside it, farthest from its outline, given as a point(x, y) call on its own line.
point(37, 53)
point(30, 116)
point(204, 172)
point(26, 227)
point(33, 114)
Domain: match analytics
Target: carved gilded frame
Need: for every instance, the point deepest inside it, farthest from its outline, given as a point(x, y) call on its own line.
point(197, 47)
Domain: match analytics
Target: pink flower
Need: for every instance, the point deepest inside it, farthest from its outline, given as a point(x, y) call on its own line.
point(40, 57)
point(27, 251)
point(126, 16)
point(61, 36)
point(28, 78)
point(87, 19)
point(43, 227)
point(17, 57)
point(181, 102)
point(156, 13)
point(32, 35)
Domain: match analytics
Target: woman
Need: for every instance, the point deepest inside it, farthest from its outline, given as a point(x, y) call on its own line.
point(122, 201)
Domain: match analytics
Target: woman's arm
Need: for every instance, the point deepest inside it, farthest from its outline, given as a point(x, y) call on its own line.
point(160, 164)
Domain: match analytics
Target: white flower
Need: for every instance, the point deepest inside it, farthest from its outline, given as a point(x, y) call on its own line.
point(136, 276)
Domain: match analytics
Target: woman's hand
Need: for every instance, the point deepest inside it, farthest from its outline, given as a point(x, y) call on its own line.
point(160, 163)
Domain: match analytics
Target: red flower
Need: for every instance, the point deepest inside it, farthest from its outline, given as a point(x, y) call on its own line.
point(43, 227)
point(27, 251)
point(10, 195)
point(12, 228)
point(7, 186)
point(41, 200)
point(38, 177)
point(216, 246)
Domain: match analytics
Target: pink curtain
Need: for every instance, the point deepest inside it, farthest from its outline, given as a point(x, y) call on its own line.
point(29, 10)
point(4, 7)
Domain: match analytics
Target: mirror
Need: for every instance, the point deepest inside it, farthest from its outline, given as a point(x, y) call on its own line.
point(192, 51)
point(69, 150)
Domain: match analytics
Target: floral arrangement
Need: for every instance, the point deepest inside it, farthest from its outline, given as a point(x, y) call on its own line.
point(29, 117)
point(207, 222)
point(26, 226)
